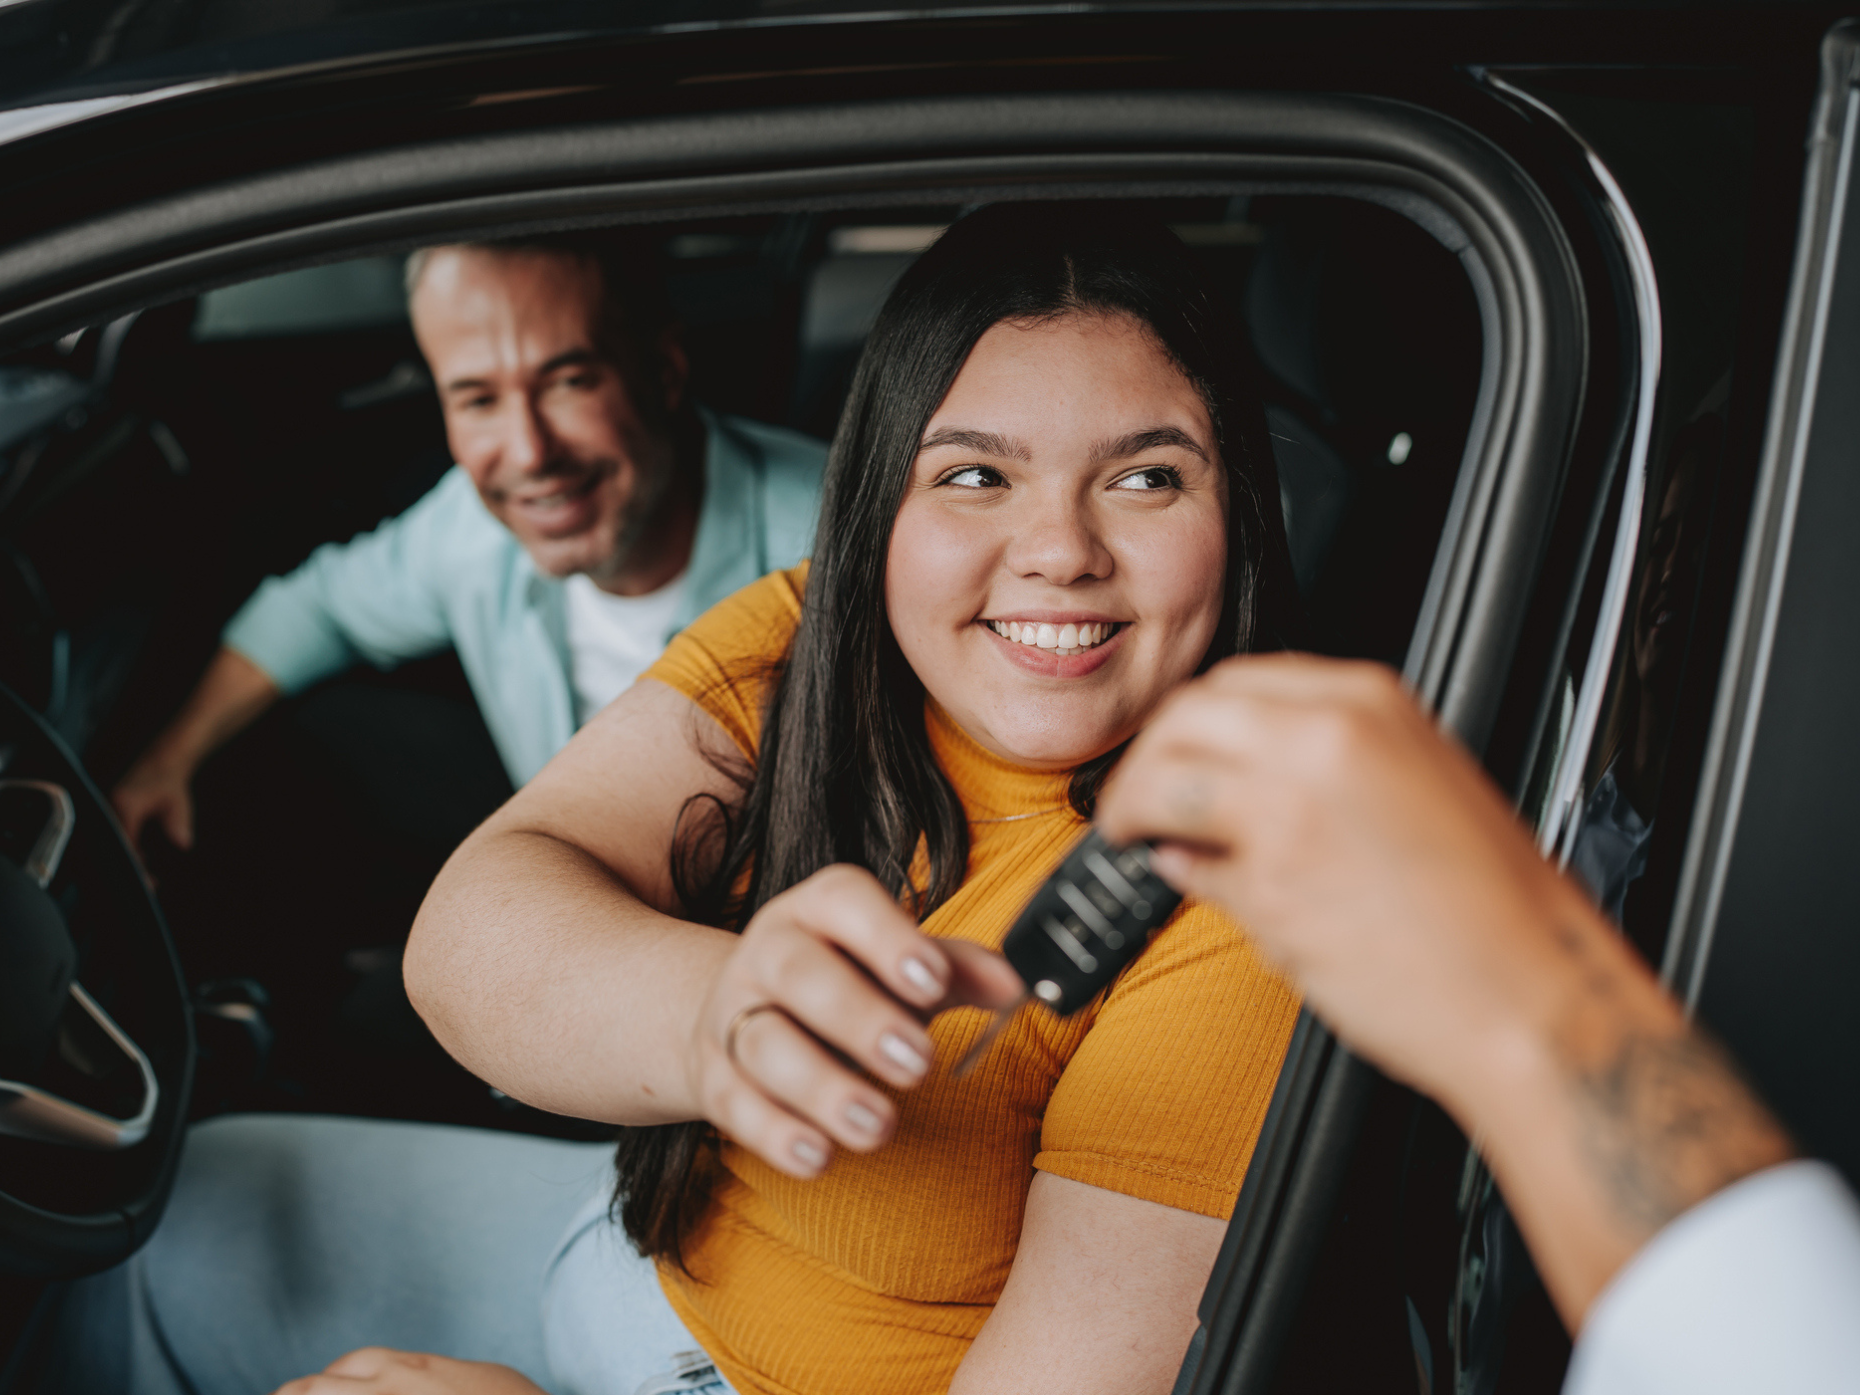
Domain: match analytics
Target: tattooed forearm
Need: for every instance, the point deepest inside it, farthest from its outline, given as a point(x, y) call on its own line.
point(1666, 1120)
point(1663, 1115)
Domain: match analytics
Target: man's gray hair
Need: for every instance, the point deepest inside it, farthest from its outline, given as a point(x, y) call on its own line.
point(416, 268)
point(636, 313)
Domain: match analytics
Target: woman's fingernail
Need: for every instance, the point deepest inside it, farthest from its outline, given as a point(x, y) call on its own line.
point(921, 978)
point(902, 1053)
point(862, 1118)
point(810, 1153)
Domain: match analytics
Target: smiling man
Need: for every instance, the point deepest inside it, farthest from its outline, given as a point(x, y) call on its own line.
point(594, 511)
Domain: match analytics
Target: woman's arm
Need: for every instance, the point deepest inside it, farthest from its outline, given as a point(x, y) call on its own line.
point(550, 959)
point(1102, 1296)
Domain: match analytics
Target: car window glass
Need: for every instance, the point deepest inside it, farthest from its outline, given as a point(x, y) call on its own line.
point(344, 295)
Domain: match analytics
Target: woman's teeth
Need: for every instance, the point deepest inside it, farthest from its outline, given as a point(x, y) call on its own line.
point(1061, 639)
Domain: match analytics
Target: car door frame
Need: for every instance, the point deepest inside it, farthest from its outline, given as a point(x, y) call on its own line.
point(1453, 181)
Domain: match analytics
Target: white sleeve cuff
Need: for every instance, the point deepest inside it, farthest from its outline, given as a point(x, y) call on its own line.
point(1754, 1289)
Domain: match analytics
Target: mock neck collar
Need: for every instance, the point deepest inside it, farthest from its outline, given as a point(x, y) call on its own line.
point(991, 788)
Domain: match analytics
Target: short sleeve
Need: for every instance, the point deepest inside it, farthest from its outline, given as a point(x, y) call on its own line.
point(1165, 1097)
point(377, 597)
point(725, 659)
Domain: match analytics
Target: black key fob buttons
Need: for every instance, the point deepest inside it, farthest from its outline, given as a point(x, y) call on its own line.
point(1091, 918)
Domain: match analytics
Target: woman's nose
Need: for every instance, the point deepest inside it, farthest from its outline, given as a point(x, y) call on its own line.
point(1058, 541)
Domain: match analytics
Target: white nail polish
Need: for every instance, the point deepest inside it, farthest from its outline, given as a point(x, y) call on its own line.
point(920, 977)
point(861, 1118)
point(809, 1153)
point(902, 1053)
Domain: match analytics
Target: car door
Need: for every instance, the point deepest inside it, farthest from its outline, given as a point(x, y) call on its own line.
point(1513, 634)
point(1459, 188)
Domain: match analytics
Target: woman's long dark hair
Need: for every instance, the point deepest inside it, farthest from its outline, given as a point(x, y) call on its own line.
point(845, 772)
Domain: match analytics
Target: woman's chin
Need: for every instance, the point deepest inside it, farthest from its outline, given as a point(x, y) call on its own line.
point(1044, 750)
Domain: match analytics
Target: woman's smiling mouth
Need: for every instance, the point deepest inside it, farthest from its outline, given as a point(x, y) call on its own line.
point(1067, 639)
point(1057, 648)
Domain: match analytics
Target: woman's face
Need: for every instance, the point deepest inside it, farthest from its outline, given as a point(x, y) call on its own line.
point(1057, 564)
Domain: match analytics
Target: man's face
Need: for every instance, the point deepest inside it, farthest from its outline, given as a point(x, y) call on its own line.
point(538, 414)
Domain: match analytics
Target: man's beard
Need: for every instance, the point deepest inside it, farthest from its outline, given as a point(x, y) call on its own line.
point(645, 511)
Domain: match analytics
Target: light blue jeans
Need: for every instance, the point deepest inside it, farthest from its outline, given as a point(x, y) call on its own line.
point(292, 1239)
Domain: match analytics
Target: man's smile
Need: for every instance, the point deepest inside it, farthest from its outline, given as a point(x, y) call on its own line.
point(558, 506)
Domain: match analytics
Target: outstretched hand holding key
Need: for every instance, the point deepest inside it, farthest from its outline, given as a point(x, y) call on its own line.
point(1370, 856)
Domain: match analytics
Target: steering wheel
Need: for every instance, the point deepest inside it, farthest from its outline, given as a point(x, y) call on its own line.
point(96, 1032)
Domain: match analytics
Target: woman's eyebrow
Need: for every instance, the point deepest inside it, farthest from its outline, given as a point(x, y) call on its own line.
point(981, 442)
point(1123, 447)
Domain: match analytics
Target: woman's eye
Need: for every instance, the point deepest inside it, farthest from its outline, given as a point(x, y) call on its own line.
point(974, 477)
point(1156, 477)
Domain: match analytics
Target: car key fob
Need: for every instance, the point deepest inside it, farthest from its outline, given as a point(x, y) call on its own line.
point(1091, 918)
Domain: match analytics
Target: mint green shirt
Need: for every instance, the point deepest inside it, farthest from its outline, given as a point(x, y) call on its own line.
point(446, 572)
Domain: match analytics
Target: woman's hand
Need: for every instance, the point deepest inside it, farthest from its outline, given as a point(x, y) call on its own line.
point(829, 979)
point(383, 1371)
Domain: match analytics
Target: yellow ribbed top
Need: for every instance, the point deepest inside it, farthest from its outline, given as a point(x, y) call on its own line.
point(878, 1274)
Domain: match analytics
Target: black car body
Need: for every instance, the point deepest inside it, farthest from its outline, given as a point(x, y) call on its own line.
point(1570, 256)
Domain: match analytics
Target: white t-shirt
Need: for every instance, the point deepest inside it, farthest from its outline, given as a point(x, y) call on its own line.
point(613, 639)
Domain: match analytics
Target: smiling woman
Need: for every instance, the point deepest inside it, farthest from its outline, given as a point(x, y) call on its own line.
point(1060, 545)
point(1052, 431)
point(749, 912)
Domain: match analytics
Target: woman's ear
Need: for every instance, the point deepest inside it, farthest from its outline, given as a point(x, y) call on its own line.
point(675, 372)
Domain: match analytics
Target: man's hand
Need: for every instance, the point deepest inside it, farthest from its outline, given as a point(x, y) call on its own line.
point(1367, 852)
point(1374, 860)
point(231, 695)
point(157, 791)
point(383, 1371)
